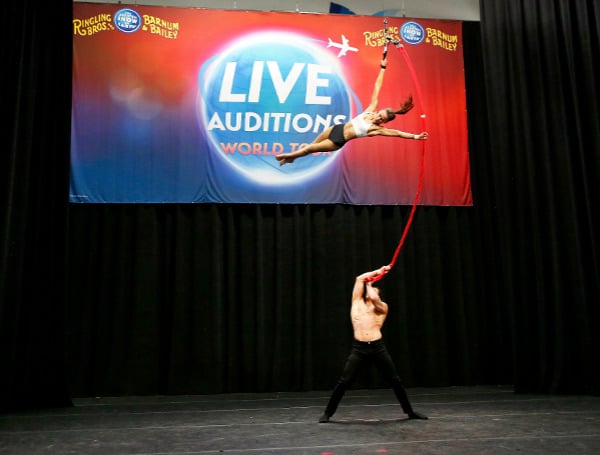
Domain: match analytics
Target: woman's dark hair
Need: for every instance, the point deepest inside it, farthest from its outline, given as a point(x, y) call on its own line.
point(406, 106)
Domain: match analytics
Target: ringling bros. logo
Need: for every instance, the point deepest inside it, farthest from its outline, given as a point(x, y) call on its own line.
point(127, 20)
point(412, 32)
point(269, 93)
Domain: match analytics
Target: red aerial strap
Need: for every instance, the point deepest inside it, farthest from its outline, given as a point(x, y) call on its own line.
point(413, 75)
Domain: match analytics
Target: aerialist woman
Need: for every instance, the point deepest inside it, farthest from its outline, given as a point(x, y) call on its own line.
point(367, 124)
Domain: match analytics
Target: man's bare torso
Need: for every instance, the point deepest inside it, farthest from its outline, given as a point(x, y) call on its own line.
point(366, 322)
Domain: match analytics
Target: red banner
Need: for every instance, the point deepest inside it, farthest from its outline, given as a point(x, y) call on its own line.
point(194, 105)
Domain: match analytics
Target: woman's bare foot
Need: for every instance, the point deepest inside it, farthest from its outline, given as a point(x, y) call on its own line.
point(284, 159)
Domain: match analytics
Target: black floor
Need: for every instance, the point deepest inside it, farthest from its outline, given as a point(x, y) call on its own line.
point(462, 420)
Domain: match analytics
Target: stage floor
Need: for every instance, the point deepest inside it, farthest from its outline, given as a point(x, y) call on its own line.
point(462, 420)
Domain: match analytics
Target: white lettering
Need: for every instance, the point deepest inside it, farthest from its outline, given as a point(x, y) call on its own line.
point(252, 121)
point(215, 123)
point(282, 86)
point(313, 82)
point(277, 122)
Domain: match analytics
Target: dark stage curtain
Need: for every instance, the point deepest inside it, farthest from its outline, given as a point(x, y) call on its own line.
point(206, 298)
point(34, 182)
point(220, 298)
point(541, 65)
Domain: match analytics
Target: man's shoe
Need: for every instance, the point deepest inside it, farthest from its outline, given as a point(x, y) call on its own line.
point(416, 415)
point(324, 418)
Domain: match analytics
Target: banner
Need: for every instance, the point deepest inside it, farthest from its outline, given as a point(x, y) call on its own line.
point(188, 105)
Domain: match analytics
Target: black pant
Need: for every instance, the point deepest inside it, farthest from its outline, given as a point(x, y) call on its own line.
point(364, 352)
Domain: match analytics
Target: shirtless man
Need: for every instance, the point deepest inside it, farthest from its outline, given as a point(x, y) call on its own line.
point(368, 313)
point(367, 124)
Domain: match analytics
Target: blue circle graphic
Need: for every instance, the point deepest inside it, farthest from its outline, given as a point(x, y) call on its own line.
point(267, 93)
point(412, 32)
point(127, 20)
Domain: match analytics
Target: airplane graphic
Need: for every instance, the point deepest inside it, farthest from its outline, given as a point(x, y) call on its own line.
point(343, 46)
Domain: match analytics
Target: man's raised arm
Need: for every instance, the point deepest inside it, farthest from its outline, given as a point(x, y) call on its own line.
point(359, 283)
